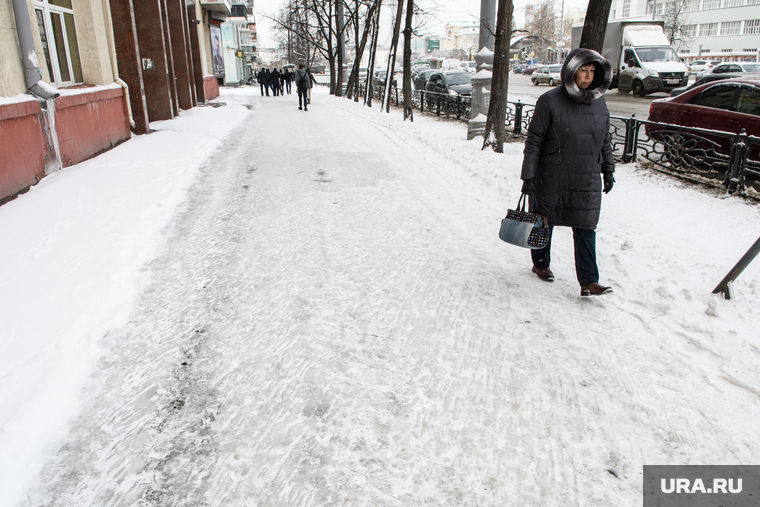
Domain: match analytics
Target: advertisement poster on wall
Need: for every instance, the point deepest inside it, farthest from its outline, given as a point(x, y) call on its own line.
point(216, 50)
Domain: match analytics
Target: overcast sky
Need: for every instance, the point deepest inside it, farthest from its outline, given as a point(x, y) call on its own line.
point(441, 12)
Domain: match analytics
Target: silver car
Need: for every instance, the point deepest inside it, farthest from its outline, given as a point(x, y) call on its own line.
point(549, 74)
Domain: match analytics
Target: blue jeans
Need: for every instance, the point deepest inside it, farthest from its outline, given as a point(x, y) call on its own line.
point(302, 93)
point(585, 255)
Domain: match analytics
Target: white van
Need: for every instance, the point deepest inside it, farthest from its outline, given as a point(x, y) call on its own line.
point(450, 64)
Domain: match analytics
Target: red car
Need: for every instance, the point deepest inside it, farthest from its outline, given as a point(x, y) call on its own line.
point(730, 106)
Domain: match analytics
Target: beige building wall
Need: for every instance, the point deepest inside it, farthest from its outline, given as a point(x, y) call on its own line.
point(92, 38)
point(11, 71)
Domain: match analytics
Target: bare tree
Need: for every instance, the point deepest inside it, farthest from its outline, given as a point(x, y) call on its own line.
point(541, 21)
point(595, 25)
point(353, 80)
point(392, 55)
point(406, 85)
point(497, 109)
point(676, 22)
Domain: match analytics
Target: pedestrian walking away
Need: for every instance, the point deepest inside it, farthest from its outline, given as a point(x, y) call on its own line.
point(274, 79)
point(568, 162)
point(262, 77)
point(288, 80)
point(312, 81)
point(303, 85)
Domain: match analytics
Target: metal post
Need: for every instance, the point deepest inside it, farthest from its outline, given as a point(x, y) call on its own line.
point(725, 286)
point(735, 164)
point(518, 117)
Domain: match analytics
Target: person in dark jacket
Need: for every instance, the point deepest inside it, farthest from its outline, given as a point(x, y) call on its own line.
point(274, 80)
point(288, 80)
point(568, 162)
point(262, 77)
point(303, 83)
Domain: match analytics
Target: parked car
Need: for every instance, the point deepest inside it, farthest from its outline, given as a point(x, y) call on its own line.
point(729, 105)
point(549, 74)
point(519, 68)
point(709, 78)
point(700, 65)
point(731, 67)
point(470, 67)
point(531, 68)
point(452, 82)
point(421, 79)
point(378, 79)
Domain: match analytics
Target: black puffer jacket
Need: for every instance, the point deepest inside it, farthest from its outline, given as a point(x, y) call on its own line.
point(568, 145)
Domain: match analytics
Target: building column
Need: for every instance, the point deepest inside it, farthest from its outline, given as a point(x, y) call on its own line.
point(128, 60)
point(195, 54)
point(155, 70)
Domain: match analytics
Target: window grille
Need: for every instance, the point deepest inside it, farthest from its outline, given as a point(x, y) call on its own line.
point(730, 28)
point(752, 26)
point(708, 29)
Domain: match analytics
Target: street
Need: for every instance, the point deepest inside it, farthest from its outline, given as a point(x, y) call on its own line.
point(619, 104)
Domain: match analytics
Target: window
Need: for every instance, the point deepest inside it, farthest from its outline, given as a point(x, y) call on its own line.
point(626, 8)
point(651, 6)
point(710, 4)
point(55, 20)
point(750, 50)
point(720, 97)
point(690, 30)
point(752, 26)
point(749, 101)
point(730, 28)
point(690, 5)
point(708, 29)
point(726, 50)
point(732, 3)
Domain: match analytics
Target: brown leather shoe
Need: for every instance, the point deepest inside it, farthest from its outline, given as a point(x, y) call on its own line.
point(594, 289)
point(544, 274)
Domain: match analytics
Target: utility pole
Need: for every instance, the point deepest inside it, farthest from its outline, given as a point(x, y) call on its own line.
point(487, 24)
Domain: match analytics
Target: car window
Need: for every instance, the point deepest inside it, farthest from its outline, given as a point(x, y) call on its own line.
point(719, 97)
point(749, 67)
point(457, 79)
point(749, 101)
point(555, 68)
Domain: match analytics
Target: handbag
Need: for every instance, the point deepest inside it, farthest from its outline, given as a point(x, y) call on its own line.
point(524, 229)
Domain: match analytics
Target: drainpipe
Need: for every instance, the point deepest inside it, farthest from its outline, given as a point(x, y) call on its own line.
point(114, 64)
point(32, 73)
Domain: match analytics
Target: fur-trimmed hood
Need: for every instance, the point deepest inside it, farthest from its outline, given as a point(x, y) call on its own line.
point(602, 75)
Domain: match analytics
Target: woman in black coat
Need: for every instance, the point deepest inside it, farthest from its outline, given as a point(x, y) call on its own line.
point(567, 155)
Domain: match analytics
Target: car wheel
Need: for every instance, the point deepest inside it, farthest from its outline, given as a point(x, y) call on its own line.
point(535, 81)
point(638, 89)
point(551, 81)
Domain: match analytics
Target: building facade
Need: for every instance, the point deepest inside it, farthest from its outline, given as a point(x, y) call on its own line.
point(78, 76)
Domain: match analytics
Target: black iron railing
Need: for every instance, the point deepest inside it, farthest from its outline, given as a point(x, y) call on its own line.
point(715, 158)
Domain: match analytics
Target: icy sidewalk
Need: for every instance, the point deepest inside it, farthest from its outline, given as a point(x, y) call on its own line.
point(331, 319)
point(71, 267)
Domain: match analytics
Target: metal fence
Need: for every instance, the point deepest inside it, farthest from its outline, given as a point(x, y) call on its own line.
point(715, 158)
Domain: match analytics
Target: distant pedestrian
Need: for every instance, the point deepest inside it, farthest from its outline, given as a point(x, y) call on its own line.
point(303, 85)
point(288, 80)
point(274, 78)
point(262, 77)
point(312, 81)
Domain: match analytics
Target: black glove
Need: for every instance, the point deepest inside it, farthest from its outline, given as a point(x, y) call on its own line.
point(609, 181)
point(529, 186)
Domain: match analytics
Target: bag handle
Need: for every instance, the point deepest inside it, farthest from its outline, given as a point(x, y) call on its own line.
point(523, 201)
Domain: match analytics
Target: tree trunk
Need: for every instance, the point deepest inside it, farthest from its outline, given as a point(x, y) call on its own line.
point(392, 56)
point(595, 25)
point(407, 84)
point(353, 80)
point(341, 46)
point(497, 109)
point(373, 54)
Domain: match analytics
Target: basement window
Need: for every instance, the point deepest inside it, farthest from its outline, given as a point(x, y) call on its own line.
point(55, 20)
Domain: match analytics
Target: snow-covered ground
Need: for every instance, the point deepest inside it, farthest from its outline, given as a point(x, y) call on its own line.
point(261, 306)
